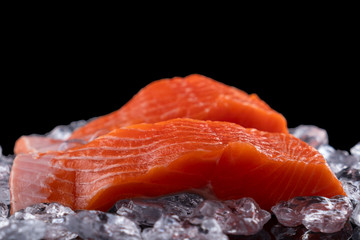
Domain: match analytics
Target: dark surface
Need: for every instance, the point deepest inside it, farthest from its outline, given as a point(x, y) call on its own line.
point(52, 95)
point(56, 75)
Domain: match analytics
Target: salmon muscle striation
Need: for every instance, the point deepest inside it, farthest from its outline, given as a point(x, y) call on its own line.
point(146, 160)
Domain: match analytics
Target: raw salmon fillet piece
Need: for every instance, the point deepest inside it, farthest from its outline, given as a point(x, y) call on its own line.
point(194, 96)
point(147, 160)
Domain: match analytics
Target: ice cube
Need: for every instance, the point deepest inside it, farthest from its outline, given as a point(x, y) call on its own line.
point(326, 150)
point(182, 204)
point(4, 210)
point(350, 179)
point(167, 227)
point(142, 212)
point(171, 227)
point(4, 172)
point(249, 216)
point(100, 225)
point(355, 151)
point(237, 217)
point(344, 234)
point(290, 213)
point(310, 134)
point(25, 230)
point(337, 160)
point(6, 159)
point(318, 214)
point(147, 211)
point(349, 173)
point(58, 232)
point(53, 214)
point(5, 166)
point(46, 212)
point(211, 230)
point(326, 220)
point(212, 208)
point(63, 132)
point(355, 216)
point(352, 189)
point(4, 193)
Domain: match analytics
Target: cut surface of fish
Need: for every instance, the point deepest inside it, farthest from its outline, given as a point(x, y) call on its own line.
point(146, 160)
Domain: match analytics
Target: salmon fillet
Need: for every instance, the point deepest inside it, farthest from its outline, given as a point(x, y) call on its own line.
point(146, 160)
point(194, 96)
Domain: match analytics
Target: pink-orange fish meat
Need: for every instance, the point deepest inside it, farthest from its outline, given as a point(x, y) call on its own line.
point(146, 160)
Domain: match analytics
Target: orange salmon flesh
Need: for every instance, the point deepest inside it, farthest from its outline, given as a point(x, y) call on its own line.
point(153, 159)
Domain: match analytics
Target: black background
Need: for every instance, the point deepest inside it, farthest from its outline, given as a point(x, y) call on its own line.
point(54, 76)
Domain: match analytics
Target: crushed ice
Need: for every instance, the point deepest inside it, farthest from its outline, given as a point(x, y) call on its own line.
point(171, 227)
point(5, 167)
point(100, 225)
point(146, 212)
point(63, 132)
point(310, 134)
point(237, 217)
point(318, 214)
point(190, 216)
